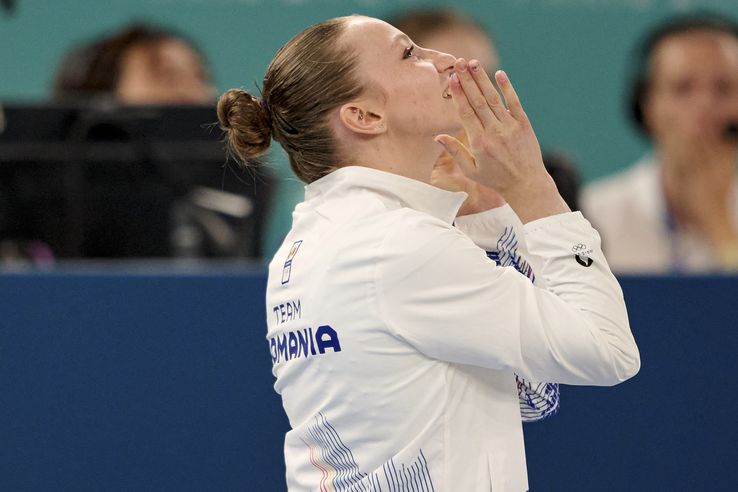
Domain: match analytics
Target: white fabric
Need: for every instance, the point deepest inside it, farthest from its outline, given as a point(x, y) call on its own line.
point(500, 233)
point(395, 340)
point(630, 212)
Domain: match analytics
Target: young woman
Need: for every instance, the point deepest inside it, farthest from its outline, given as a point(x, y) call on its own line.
point(394, 338)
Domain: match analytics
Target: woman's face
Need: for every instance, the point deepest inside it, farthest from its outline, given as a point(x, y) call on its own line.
point(168, 72)
point(411, 82)
point(465, 42)
point(694, 86)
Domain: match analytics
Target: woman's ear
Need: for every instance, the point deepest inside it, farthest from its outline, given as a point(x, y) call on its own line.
point(359, 118)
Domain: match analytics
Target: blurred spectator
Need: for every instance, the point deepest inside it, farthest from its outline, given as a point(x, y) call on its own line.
point(450, 31)
point(138, 65)
point(135, 181)
point(676, 210)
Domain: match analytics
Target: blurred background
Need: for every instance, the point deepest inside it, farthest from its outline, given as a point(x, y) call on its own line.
point(568, 58)
point(571, 61)
point(155, 376)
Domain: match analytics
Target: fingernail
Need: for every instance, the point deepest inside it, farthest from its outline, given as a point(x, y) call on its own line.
point(455, 80)
point(462, 66)
point(501, 76)
point(474, 66)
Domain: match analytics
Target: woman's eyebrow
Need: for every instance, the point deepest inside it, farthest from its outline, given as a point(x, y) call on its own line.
point(399, 37)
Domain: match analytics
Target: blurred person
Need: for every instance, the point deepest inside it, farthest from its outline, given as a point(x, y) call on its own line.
point(193, 211)
point(138, 65)
point(676, 210)
point(394, 339)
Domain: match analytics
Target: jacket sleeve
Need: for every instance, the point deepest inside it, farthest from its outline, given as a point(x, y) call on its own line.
point(499, 232)
point(439, 292)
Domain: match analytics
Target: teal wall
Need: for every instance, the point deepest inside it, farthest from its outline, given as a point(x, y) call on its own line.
point(568, 58)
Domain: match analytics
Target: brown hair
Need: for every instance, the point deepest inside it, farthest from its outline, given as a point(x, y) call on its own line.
point(310, 76)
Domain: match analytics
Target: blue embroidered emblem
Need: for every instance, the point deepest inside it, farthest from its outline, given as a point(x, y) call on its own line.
point(287, 270)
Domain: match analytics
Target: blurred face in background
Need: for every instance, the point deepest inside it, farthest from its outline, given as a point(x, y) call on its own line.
point(693, 88)
point(164, 72)
point(466, 42)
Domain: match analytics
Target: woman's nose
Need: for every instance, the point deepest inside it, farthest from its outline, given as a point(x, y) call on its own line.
point(444, 62)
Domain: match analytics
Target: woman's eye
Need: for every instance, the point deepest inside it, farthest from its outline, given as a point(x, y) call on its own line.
point(408, 52)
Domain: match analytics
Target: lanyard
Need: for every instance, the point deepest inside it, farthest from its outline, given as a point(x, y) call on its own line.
point(676, 258)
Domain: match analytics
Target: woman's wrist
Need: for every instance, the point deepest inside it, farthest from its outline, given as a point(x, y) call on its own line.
point(481, 199)
point(536, 200)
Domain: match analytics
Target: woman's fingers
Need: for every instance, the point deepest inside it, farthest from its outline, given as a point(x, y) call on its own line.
point(488, 90)
point(506, 155)
point(460, 154)
point(514, 107)
point(469, 118)
point(477, 100)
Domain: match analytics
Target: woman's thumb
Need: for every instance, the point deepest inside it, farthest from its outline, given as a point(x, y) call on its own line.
point(459, 152)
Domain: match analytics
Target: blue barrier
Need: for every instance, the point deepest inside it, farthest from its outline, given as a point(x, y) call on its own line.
point(161, 381)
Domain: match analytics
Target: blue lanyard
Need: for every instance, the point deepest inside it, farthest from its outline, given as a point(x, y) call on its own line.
point(676, 260)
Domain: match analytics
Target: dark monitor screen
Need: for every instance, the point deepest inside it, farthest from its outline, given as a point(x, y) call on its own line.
point(126, 182)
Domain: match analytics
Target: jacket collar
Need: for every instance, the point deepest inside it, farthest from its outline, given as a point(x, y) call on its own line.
point(411, 193)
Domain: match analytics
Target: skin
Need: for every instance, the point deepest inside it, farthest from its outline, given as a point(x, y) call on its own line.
point(468, 42)
point(397, 126)
point(404, 109)
point(693, 94)
point(169, 72)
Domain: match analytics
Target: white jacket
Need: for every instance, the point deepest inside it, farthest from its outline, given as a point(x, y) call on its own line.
point(394, 339)
point(630, 211)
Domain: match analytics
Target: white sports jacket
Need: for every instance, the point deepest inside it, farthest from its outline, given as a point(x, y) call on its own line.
point(395, 340)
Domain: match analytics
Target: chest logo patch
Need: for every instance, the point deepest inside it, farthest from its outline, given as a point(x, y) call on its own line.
point(287, 270)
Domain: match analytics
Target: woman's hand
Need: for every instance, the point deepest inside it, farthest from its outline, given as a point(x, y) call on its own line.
point(503, 150)
point(448, 175)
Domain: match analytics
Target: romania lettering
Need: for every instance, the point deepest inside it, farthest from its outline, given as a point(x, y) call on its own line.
point(303, 343)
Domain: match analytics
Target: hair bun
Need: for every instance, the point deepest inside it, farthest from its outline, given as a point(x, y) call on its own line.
point(247, 123)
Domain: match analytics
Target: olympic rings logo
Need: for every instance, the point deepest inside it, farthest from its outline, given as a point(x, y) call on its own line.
point(579, 248)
